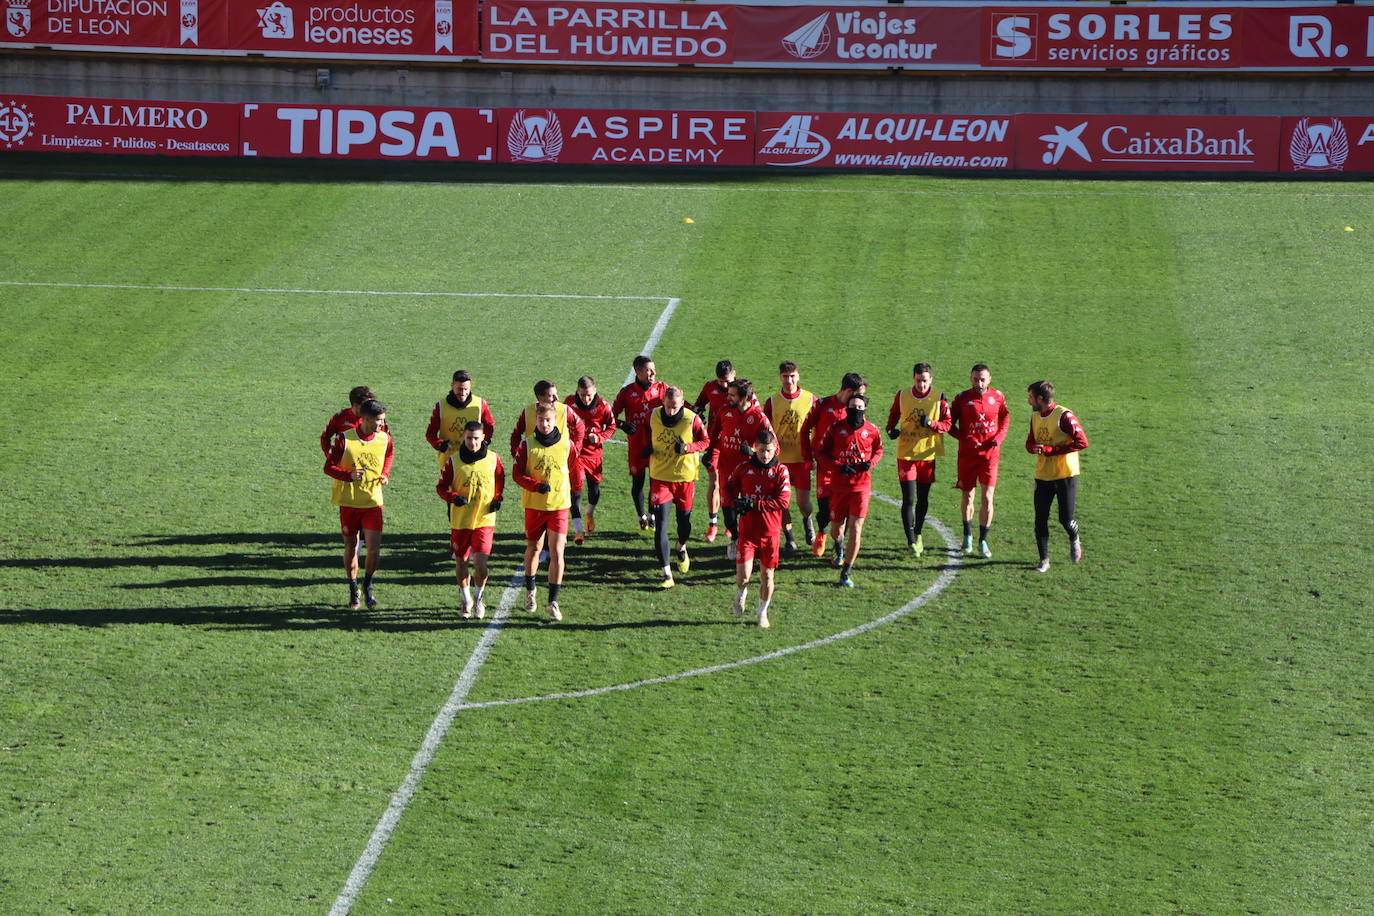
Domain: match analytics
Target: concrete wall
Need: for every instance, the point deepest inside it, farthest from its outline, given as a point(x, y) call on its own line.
point(260, 80)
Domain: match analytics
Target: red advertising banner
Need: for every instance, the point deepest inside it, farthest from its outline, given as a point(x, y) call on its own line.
point(616, 137)
point(1153, 37)
point(804, 37)
point(612, 32)
point(368, 132)
point(437, 29)
point(905, 141)
point(1316, 145)
point(38, 123)
point(1309, 38)
point(172, 25)
point(1146, 143)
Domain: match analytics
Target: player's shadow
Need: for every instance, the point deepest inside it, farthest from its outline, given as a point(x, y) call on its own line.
point(275, 617)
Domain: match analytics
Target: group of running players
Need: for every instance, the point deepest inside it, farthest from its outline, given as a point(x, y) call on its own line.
point(757, 455)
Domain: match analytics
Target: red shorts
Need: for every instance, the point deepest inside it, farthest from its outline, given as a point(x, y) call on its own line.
point(678, 492)
point(825, 482)
point(587, 466)
point(538, 521)
point(467, 541)
point(766, 546)
point(576, 475)
point(353, 519)
point(919, 471)
point(977, 468)
point(846, 501)
point(801, 476)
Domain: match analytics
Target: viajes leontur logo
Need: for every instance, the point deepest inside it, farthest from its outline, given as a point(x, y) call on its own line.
point(811, 40)
point(16, 124)
point(18, 18)
point(1319, 145)
point(534, 137)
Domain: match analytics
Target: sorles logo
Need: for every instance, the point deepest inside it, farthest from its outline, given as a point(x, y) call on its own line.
point(811, 40)
point(534, 137)
point(1012, 36)
point(16, 124)
point(1319, 146)
point(1063, 140)
point(18, 18)
point(277, 21)
point(795, 143)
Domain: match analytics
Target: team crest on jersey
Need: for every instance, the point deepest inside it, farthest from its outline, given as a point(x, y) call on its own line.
point(1319, 145)
point(534, 137)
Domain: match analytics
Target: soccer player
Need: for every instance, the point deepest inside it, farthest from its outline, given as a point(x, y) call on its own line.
point(598, 425)
point(450, 417)
point(712, 398)
point(787, 411)
point(1055, 439)
point(759, 490)
point(918, 420)
point(825, 412)
point(850, 450)
point(566, 419)
point(347, 418)
point(677, 437)
point(541, 470)
point(979, 420)
point(740, 421)
point(359, 460)
point(637, 401)
point(472, 482)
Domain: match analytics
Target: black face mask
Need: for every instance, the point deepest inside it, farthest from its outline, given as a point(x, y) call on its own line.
point(854, 417)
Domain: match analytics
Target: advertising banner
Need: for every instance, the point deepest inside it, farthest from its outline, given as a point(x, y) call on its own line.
point(38, 123)
point(616, 137)
point(1146, 143)
point(172, 25)
point(607, 33)
point(896, 141)
point(1153, 37)
point(442, 29)
point(1315, 145)
point(368, 132)
point(1308, 38)
point(804, 37)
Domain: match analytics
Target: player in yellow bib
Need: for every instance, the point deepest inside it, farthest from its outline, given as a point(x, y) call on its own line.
point(677, 437)
point(918, 420)
point(472, 482)
point(1055, 439)
point(359, 460)
point(787, 411)
point(452, 415)
point(541, 469)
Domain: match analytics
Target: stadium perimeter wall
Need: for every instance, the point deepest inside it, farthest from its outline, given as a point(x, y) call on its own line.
point(1261, 94)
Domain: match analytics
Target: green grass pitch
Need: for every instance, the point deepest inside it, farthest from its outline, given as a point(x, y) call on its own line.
point(191, 723)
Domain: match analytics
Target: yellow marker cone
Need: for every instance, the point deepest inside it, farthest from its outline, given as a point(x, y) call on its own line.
point(1349, 228)
point(688, 219)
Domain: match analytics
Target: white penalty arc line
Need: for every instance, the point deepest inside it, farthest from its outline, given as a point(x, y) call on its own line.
point(942, 582)
point(329, 292)
point(381, 834)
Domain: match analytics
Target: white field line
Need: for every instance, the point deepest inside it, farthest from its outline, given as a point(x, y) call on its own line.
point(970, 187)
point(331, 292)
point(381, 834)
point(655, 335)
point(942, 581)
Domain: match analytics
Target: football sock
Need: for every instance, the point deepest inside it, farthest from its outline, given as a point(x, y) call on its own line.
point(684, 526)
point(661, 532)
point(983, 532)
point(593, 494)
point(352, 591)
point(637, 494)
point(731, 522)
point(575, 511)
point(844, 571)
point(553, 590)
point(822, 512)
point(478, 594)
point(529, 583)
point(922, 506)
point(1042, 544)
point(714, 519)
point(743, 594)
point(909, 509)
point(763, 606)
point(809, 528)
point(577, 523)
point(968, 530)
point(467, 594)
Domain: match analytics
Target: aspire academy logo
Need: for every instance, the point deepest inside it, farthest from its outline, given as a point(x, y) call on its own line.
point(1319, 145)
point(534, 137)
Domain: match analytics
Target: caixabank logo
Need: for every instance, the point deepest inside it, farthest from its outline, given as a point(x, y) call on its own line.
point(1319, 145)
point(16, 124)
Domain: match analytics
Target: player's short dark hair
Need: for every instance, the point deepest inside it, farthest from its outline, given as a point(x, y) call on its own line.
point(462, 375)
point(853, 381)
point(470, 425)
point(542, 387)
point(641, 361)
point(744, 387)
point(979, 367)
point(786, 366)
point(371, 408)
point(1042, 389)
point(724, 368)
point(921, 367)
point(359, 394)
point(856, 395)
point(765, 437)
point(586, 381)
